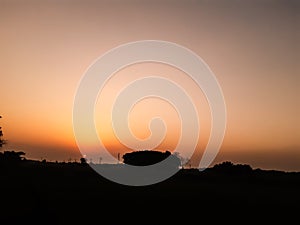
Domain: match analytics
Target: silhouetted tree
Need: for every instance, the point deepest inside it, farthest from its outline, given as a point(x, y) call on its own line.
point(2, 142)
point(83, 160)
point(12, 156)
point(147, 157)
point(224, 166)
point(229, 167)
point(182, 159)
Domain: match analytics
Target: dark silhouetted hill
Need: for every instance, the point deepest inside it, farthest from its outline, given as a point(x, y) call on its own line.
point(35, 192)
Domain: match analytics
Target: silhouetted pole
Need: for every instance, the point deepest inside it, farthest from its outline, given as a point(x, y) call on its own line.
point(118, 158)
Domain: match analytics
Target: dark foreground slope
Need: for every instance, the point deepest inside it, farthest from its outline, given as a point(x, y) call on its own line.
point(56, 193)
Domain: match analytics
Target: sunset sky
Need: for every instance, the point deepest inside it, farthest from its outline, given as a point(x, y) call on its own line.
point(252, 47)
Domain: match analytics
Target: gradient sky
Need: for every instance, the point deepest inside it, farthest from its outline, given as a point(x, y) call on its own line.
point(251, 46)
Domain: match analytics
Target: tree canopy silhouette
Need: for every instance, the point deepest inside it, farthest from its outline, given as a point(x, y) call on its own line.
point(149, 157)
point(83, 160)
point(12, 156)
point(2, 142)
point(229, 167)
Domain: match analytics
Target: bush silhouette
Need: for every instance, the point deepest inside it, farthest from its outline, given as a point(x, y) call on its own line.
point(83, 161)
point(229, 167)
point(149, 157)
point(12, 156)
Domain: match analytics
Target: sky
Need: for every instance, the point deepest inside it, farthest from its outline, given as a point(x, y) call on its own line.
point(252, 47)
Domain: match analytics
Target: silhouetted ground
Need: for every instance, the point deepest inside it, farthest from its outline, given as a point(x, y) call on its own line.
point(55, 193)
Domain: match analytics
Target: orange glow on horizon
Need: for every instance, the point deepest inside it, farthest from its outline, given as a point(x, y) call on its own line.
point(46, 48)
